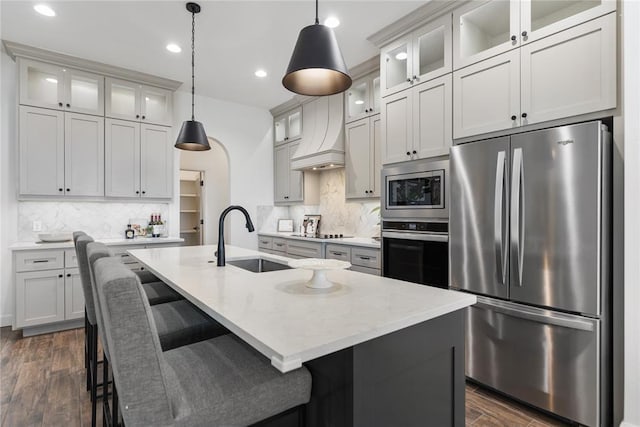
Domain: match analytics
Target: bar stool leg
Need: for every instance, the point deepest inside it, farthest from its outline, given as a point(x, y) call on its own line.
point(86, 349)
point(94, 374)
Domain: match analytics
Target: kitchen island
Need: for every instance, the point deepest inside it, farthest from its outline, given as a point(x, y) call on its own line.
point(381, 351)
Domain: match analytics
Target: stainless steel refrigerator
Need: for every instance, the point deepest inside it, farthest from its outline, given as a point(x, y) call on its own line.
point(529, 233)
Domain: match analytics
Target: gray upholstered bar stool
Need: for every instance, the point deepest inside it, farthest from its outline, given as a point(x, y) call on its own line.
point(179, 322)
point(218, 382)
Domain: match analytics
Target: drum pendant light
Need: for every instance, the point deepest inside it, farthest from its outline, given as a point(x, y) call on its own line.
point(192, 136)
point(317, 67)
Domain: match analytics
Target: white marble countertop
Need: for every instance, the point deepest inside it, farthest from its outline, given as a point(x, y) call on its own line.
point(286, 321)
point(366, 242)
point(23, 246)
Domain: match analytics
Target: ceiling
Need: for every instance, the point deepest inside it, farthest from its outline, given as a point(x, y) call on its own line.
point(233, 38)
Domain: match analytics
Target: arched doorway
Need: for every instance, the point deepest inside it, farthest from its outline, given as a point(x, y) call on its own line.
point(214, 168)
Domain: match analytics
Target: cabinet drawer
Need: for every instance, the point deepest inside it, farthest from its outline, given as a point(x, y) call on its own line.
point(121, 252)
point(338, 252)
point(367, 270)
point(70, 258)
point(279, 245)
point(265, 242)
point(304, 249)
point(39, 260)
point(365, 257)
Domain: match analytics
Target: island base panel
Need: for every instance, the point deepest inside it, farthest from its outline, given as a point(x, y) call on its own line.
point(412, 377)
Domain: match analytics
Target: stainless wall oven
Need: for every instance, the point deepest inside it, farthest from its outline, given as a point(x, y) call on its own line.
point(417, 252)
point(416, 190)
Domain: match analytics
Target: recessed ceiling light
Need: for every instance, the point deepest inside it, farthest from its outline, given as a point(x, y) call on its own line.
point(401, 56)
point(260, 73)
point(174, 48)
point(51, 80)
point(359, 102)
point(332, 22)
point(45, 10)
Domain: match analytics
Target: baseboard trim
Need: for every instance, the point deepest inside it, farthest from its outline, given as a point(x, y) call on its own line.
point(6, 320)
point(628, 424)
point(54, 327)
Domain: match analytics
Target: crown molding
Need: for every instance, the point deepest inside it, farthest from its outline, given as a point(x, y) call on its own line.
point(23, 51)
point(432, 9)
point(367, 67)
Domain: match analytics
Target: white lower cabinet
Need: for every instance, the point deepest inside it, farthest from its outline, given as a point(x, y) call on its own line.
point(73, 295)
point(416, 123)
point(566, 74)
point(40, 297)
point(362, 158)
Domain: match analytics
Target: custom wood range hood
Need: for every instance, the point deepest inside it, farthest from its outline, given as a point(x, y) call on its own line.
point(322, 143)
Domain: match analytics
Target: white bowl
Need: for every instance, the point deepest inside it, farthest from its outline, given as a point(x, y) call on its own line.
point(55, 237)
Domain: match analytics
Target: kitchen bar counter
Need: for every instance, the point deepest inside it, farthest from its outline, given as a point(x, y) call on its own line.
point(380, 351)
point(365, 242)
point(29, 246)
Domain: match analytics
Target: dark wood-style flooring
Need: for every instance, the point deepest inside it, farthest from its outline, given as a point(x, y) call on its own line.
point(42, 383)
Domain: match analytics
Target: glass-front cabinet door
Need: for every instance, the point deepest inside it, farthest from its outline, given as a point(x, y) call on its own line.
point(280, 129)
point(541, 18)
point(156, 105)
point(294, 125)
point(41, 85)
point(432, 50)
point(84, 92)
point(122, 99)
point(484, 29)
point(396, 66)
point(375, 95)
point(357, 100)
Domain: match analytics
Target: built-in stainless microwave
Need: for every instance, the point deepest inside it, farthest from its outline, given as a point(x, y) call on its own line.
point(416, 190)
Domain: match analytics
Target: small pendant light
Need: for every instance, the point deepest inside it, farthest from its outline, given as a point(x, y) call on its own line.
point(317, 67)
point(192, 136)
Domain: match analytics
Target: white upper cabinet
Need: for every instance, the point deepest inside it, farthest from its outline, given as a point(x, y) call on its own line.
point(288, 183)
point(363, 98)
point(417, 57)
point(416, 123)
point(288, 126)
point(138, 160)
point(541, 18)
point(570, 73)
point(362, 158)
point(61, 154)
point(486, 96)
point(133, 101)
point(52, 86)
point(482, 29)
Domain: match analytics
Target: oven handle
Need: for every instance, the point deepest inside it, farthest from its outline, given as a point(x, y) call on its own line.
point(428, 237)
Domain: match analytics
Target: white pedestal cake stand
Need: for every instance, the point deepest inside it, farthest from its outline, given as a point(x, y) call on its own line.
point(319, 267)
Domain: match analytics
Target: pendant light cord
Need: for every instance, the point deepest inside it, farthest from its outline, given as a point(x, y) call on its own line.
point(193, 64)
point(317, 21)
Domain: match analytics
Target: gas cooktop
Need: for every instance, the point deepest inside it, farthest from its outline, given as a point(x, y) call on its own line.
point(323, 236)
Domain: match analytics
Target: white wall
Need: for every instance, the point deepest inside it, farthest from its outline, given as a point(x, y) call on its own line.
point(215, 165)
point(246, 134)
point(631, 18)
point(8, 203)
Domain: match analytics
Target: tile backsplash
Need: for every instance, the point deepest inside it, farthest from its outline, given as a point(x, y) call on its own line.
point(338, 215)
point(98, 219)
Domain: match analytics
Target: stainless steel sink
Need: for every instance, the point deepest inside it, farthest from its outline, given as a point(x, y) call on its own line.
point(259, 265)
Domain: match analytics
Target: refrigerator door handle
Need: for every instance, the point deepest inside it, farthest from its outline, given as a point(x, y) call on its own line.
point(517, 213)
point(536, 314)
point(498, 229)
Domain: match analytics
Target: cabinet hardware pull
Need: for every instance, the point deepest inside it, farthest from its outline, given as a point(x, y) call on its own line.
point(524, 115)
point(408, 153)
point(513, 38)
point(68, 189)
point(137, 192)
point(68, 274)
point(137, 116)
point(414, 152)
point(366, 258)
point(59, 189)
point(40, 260)
point(144, 192)
point(524, 34)
point(143, 117)
point(366, 191)
point(60, 276)
point(59, 104)
point(513, 117)
point(68, 105)
point(409, 79)
point(123, 255)
point(337, 253)
point(415, 77)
